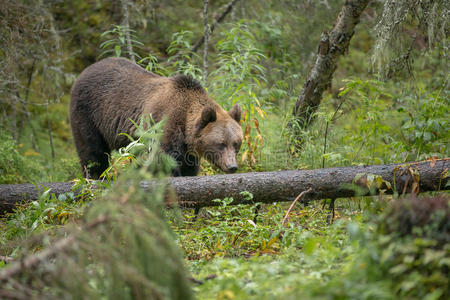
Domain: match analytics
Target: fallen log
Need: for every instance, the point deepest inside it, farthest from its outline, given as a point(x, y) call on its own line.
point(269, 187)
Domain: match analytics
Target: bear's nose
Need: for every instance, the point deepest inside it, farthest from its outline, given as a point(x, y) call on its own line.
point(232, 169)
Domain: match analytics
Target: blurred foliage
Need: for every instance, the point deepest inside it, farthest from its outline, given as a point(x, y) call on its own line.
point(181, 58)
point(121, 247)
point(411, 247)
point(117, 44)
point(14, 167)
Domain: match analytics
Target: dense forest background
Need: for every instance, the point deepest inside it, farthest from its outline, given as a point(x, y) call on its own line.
point(388, 102)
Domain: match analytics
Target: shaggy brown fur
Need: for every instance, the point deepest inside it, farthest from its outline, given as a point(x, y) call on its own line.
point(111, 92)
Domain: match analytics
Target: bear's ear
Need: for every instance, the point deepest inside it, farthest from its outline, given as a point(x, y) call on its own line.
point(208, 116)
point(235, 112)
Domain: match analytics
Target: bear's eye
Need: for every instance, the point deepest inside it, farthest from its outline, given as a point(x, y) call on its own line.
point(236, 146)
point(222, 146)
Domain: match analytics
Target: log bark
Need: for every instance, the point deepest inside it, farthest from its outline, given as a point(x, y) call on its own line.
point(331, 46)
point(269, 187)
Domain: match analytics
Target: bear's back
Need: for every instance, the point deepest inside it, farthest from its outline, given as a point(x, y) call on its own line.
point(114, 90)
point(111, 92)
point(113, 77)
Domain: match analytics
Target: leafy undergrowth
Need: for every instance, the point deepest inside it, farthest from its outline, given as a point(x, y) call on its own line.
point(249, 230)
point(244, 250)
point(238, 254)
point(45, 214)
point(391, 249)
point(235, 253)
point(375, 248)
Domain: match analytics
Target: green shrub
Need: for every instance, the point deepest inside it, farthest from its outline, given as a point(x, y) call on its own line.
point(414, 247)
point(408, 252)
point(14, 167)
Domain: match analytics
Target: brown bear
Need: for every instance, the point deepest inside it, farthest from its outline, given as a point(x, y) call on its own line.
point(112, 91)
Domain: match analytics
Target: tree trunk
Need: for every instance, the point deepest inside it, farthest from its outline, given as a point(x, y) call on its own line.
point(331, 46)
point(268, 187)
point(14, 121)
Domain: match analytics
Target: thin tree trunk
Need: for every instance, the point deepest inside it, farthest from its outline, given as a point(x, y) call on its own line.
point(50, 137)
point(14, 120)
point(269, 187)
point(227, 10)
point(326, 131)
point(206, 35)
point(331, 46)
point(126, 24)
point(243, 14)
point(34, 142)
point(25, 100)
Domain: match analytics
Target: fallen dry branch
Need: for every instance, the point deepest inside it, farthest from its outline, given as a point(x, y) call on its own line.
point(269, 187)
point(286, 217)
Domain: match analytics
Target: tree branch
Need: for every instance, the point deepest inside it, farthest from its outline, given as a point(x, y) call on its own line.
point(227, 10)
point(286, 216)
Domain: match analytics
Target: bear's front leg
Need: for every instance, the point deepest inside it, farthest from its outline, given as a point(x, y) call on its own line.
point(187, 165)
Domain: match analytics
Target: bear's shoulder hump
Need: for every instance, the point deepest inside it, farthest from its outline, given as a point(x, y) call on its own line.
point(184, 82)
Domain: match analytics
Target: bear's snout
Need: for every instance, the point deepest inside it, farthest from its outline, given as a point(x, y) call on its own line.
point(232, 169)
point(228, 162)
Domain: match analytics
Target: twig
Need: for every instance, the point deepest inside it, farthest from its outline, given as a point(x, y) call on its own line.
point(292, 205)
point(24, 104)
point(9, 295)
point(199, 282)
point(257, 208)
point(330, 218)
point(326, 131)
point(14, 121)
point(49, 131)
point(227, 10)
point(35, 259)
point(360, 148)
point(196, 212)
point(325, 145)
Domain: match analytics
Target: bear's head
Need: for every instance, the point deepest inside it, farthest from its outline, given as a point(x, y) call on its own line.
point(219, 136)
